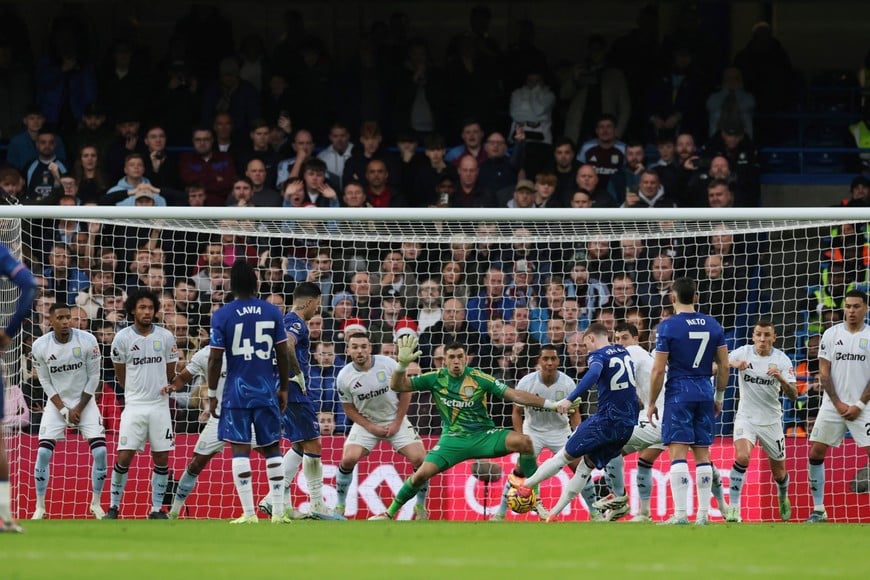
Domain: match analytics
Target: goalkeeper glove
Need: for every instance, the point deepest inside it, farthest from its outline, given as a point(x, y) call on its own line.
point(408, 351)
point(299, 379)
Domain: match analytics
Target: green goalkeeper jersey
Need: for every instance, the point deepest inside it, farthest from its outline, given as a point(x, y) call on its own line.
point(461, 400)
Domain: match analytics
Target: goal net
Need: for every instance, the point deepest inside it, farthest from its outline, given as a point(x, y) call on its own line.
point(502, 282)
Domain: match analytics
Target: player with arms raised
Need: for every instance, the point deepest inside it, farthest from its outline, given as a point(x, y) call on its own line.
point(762, 372)
point(844, 370)
point(687, 345)
point(144, 356)
point(460, 393)
point(22, 277)
point(601, 437)
point(377, 412)
point(251, 334)
point(547, 429)
point(68, 361)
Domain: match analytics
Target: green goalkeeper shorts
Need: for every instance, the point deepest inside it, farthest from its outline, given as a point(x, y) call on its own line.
point(453, 449)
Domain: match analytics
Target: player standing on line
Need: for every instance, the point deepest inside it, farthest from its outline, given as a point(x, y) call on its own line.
point(20, 276)
point(548, 430)
point(300, 418)
point(377, 414)
point(762, 372)
point(144, 356)
point(646, 440)
point(250, 332)
point(844, 371)
point(687, 345)
point(68, 361)
point(601, 437)
point(460, 393)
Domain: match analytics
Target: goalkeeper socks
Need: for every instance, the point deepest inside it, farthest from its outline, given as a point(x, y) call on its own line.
point(159, 481)
point(574, 486)
point(275, 476)
point(242, 479)
point(614, 471)
point(783, 486)
point(119, 482)
point(421, 494)
point(183, 490)
point(41, 471)
point(342, 484)
point(704, 481)
point(98, 470)
point(548, 469)
point(680, 486)
point(312, 469)
point(738, 473)
point(528, 465)
point(406, 492)
point(5, 501)
point(292, 461)
point(817, 484)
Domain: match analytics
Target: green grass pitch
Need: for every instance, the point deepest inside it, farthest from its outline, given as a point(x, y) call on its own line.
point(131, 549)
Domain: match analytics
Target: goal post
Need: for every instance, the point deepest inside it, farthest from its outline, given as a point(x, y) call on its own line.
point(550, 273)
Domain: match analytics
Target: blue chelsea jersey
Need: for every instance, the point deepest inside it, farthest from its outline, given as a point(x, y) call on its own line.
point(691, 340)
point(298, 329)
point(617, 387)
point(247, 331)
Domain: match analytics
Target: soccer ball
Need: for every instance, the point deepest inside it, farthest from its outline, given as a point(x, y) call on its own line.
point(519, 503)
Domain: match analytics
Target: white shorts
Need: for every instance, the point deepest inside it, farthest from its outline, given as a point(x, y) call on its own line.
point(151, 423)
point(552, 440)
point(645, 435)
point(53, 426)
point(830, 427)
point(405, 436)
point(771, 437)
point(208, 442)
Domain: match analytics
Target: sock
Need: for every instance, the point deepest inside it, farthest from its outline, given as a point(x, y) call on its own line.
point(704, 481)
point(614, 471)
point(716, 488)
point(183, 490)
point(502, 506)
point(738, 472)
point(574, 486)
point(41, 471)
point(342, 484)
point(242, 479)
point(644, 484)
point(548, 469)
point(406, 492)
point(589, 496)
point(312, 469)
point(5, 501)
point(817, 485)
point(292, 461)
point(783, 486)
point(159, 481)
point(119, 482)
point(420, 498)
point(275, 477)
point(680, 486)
point(528, 465)
point(98, 471)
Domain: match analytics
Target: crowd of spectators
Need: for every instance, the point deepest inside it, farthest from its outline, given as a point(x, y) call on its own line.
point(639, 123)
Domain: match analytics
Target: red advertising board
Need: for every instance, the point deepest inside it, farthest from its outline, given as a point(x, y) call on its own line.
point(455, 495)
